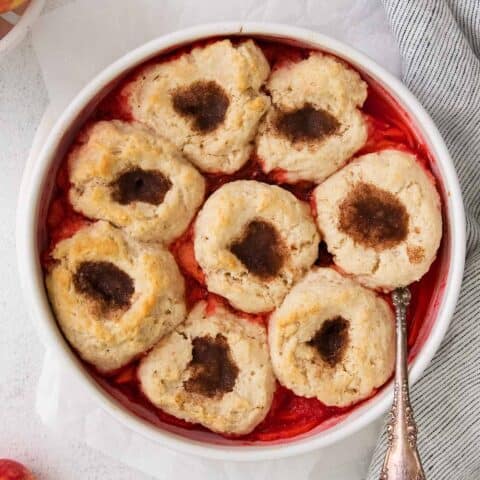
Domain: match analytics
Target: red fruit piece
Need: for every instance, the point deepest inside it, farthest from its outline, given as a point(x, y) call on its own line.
point(7, 5)
point(11, 470)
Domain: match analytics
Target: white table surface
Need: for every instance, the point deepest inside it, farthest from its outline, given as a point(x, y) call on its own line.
point(23, 99)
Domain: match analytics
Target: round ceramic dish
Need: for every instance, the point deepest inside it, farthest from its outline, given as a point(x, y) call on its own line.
point(36, 192)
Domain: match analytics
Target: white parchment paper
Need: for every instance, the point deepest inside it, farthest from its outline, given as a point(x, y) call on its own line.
point(75, 42)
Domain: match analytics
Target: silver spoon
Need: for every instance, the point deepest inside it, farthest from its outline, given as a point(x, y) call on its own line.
point(402, 461)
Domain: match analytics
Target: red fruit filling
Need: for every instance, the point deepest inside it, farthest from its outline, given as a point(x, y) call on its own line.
point(290, 415)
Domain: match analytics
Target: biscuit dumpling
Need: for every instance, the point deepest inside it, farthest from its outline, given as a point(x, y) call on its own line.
point(314, 124)
point(332, 339)
point(113, 297)
point(253, 241)
point(214, 370)
point(208, 102)
point(124, 173)
point(381, 219)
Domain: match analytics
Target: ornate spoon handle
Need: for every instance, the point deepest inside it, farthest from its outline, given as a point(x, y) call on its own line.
point(402, 461)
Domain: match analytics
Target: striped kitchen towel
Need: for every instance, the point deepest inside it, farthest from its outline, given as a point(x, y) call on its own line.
point(439, 42)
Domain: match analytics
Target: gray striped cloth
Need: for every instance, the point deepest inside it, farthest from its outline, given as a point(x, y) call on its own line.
point(439, 42)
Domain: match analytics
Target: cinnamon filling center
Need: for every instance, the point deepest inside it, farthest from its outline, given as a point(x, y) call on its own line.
point(205, 102)
point(213, 371)
point(137, 185)
point(373, 217)
point(306, 124)
point(104, 282)
point(259, 249)
point(331, 340)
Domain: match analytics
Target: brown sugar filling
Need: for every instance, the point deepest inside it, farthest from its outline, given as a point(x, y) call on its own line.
point(104, 282)
point(415, 254)
point(260, 249)
point(137, 185)
point(331, 340)
point(373, 217)
point(306, 124)
point(213, 371)
point(205, 102)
